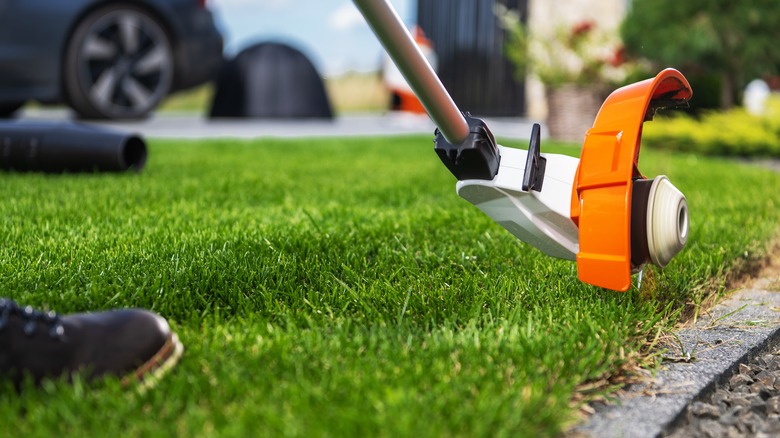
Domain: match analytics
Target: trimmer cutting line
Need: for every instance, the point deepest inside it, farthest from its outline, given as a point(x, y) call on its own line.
point(598, 210)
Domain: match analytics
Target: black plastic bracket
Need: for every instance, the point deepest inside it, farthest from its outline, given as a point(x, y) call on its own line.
point(535, 163)
point(640, 193)
point(477, 157)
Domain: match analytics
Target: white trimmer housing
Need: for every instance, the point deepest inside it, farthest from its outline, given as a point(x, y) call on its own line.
point(543, 218)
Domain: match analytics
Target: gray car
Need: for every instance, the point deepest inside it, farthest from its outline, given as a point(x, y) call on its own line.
point(104, 58)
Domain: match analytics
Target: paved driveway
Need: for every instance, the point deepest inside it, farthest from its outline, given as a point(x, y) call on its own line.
point(195, 126)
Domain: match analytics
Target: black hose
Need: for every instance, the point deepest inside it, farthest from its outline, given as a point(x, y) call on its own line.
point(56, 147)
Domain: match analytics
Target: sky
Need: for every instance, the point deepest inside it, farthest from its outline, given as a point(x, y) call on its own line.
point(332, 33)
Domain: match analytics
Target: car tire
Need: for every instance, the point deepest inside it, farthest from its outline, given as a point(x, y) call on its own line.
point(118, 64)
point(8, 109)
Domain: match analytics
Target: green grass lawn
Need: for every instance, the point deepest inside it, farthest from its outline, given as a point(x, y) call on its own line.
point(341, 288)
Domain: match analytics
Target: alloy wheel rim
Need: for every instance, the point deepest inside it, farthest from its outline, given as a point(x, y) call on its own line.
point(125, 63)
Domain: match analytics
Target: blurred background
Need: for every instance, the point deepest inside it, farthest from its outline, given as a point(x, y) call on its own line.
point(720, 45)
point(550, 61)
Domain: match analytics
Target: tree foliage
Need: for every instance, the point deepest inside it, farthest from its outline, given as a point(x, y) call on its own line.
point(737, 39)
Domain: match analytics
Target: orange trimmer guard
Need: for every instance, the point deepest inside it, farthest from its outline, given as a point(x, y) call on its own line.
point(601, 194)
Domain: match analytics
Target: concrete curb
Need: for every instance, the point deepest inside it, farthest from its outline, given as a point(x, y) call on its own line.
point(739, 328)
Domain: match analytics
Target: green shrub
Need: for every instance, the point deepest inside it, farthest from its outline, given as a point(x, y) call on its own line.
point(729, 133)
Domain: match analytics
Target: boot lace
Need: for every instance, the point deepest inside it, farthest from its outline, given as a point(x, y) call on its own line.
point(30, 319)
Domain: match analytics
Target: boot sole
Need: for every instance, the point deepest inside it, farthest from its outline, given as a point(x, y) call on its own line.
point(151, 372)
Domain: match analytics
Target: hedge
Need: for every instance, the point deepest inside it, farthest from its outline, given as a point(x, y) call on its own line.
point(728, 133)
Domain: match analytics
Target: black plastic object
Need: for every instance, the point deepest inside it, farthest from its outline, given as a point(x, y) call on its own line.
point(270, 80)
point(57, 147)
point(640, 193)
point(476, 157)
point(535, 163)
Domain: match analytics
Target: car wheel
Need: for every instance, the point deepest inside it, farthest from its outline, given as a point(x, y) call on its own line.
point(8, 109)
point(118, 64)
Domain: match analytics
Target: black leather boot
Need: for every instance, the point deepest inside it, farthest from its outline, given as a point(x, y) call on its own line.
point(136, 345)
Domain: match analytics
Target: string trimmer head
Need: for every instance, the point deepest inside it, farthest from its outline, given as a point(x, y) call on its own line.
point(598, 210)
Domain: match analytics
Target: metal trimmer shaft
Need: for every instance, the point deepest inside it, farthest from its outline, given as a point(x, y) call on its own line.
point(403, 50)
